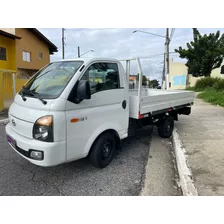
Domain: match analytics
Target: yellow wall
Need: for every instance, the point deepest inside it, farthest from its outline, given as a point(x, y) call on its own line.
point(178, 75)
point(217, 72)
point(20, 83)
point(9, 64)
point(193, 80)
point(8, 85)
point(10, 46)
point(179, 70)
point(1, 93)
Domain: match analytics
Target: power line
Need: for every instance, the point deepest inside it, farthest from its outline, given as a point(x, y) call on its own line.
point(157, 63)
point(145, 57)
point(105, 29)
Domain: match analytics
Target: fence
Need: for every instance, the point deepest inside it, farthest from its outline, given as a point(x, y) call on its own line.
point(10, 83)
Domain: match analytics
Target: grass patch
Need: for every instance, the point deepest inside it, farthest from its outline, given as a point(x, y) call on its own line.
point(190, 88)
point(213, 96)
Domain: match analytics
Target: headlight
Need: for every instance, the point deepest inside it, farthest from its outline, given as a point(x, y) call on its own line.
point(43, 129)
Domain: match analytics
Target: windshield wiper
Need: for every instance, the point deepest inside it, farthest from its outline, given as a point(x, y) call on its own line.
point(23, 97)
point(34, 94)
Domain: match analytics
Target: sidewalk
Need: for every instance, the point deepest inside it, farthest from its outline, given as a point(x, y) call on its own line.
point(202, 134)
point(4, 113)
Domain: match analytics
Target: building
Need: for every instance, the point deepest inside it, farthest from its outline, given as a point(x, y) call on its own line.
point(33, 50)
point(23, 51)
point(7, 62)
point(133, 83)
point(178, 75)
point(180, 79)
point(8, 49)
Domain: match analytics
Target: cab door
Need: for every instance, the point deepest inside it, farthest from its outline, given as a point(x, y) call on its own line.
point(107, 108)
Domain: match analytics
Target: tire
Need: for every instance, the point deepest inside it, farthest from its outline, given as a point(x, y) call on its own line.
point(165, 127)
point(103, 150)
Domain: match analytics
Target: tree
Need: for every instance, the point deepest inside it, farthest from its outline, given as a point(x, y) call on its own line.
point(204, 53)
point(153, 83)
point(144, 79)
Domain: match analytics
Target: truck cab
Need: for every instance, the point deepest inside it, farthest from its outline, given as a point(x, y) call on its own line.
point(66, 108)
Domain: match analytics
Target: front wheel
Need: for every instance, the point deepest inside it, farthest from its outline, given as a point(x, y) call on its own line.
point(103, 150)
point(165, 127)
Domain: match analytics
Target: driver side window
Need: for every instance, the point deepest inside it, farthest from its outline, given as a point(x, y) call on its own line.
point(102, 76)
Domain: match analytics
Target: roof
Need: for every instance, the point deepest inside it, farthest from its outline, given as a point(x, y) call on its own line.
point(89, 60)
point(9, 35)
point(37, 33)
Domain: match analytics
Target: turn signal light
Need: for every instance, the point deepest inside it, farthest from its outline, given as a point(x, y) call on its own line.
point(45, 121)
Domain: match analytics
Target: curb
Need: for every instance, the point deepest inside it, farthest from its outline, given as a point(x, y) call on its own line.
point(185, 175)
point(4, 121)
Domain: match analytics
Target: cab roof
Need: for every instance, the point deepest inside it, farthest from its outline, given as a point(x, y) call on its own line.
point(89, 60)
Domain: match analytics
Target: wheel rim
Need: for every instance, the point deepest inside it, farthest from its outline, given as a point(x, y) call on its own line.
point(169, 127)
point(107, 148)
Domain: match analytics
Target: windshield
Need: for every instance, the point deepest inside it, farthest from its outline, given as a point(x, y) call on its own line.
point(49, 82)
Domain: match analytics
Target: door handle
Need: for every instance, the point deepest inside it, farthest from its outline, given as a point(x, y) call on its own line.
point(124, 104)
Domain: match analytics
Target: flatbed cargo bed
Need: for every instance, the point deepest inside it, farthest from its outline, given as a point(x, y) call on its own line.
point(153, 100)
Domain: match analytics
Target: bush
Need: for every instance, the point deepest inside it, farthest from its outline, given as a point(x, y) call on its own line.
point(205, 83)
point(213, 96)
point(190, 88)
point(219, 85)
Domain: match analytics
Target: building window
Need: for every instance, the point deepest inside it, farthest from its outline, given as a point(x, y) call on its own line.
point(26, 56)
point(40, 55)
point(2, 53)
point(222, 70)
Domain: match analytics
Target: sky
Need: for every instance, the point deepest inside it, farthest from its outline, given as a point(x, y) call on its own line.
point(122, 43)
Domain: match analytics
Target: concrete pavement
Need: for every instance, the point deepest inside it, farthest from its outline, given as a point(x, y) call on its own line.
point(160, 176)
point(202, 134)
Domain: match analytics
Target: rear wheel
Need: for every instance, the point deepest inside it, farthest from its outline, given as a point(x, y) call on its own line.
point(103, 150)
point(165, 127)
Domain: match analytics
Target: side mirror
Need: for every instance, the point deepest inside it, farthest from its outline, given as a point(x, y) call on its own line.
point(83, 90)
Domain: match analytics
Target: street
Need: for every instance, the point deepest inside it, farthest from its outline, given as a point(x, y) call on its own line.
point(122, 177)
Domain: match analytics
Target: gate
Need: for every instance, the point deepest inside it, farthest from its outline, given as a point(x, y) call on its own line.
point(6, 87)
point(10, 83)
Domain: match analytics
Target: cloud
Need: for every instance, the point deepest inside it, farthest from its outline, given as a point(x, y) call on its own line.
point(121, 43)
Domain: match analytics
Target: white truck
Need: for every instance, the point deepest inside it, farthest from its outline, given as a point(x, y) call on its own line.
point(72, 109)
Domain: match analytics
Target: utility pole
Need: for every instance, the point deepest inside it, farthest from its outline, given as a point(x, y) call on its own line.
point(63, 43)
point(78, 52)
point(164, 71)
point(167, 59)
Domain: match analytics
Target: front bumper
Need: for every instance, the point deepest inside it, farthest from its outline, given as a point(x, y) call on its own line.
point(54, 153)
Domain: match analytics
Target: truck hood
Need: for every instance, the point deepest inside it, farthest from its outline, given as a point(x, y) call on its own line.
point(29, 110)
point(23, 114)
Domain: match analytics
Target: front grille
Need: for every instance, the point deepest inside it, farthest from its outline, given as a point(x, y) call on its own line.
point(23, 152)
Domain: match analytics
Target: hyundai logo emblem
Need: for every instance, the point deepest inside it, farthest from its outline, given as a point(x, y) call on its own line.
point(13, 122)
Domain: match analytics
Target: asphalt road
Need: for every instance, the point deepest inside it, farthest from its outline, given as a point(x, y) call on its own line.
point(122, 177)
